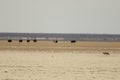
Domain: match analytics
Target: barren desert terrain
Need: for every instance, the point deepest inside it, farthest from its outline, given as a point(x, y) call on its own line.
point(46, 60)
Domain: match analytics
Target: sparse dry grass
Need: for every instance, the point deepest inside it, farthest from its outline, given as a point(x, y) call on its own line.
point(59, 61)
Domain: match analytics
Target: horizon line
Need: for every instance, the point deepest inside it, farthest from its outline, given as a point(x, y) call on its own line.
point(58, 33)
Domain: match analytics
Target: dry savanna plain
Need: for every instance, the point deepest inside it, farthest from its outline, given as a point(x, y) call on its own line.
point(46, 60)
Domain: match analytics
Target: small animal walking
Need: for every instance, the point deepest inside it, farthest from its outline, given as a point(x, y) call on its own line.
point(106, 53)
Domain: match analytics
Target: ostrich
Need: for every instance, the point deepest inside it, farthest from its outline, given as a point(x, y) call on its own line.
point(56, 41)
point(73, 41)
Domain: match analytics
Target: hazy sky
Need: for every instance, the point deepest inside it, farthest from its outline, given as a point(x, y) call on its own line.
point(60, 16)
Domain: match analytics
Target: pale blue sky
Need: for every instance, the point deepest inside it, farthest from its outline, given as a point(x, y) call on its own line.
point(60, 16)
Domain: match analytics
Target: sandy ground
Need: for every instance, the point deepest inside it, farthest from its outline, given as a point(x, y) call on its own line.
point(61, 61)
